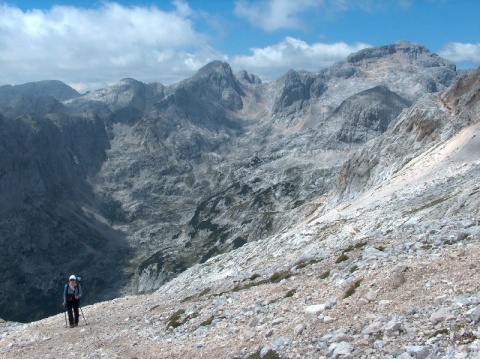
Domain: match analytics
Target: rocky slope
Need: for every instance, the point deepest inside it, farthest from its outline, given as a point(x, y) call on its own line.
point(133, 184)
point(384, 265)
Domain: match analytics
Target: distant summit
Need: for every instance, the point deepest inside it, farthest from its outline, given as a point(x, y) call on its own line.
point(401, 52)
point(54, 88)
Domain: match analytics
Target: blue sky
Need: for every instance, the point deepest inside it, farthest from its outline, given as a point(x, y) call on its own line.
point(90, 44)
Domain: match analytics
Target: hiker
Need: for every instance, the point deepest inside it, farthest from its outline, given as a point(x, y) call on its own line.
point(71, 299)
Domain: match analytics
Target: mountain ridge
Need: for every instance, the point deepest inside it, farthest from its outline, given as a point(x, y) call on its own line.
point(388, 271)
point(176, 175)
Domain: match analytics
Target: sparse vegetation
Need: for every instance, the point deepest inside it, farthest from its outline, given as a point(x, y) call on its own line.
point(204, 292)
point(207, 322)
point(269, 355)
point(352, 247)
point(201, 294)
point(174, 320)
point(277, 277)
point(308, 262)
point(351, 289)
point(254, 276)
point(428, 205)
point(342, 258)
point(274, 278)
point(290, 293)
point(155, 307)
point(444, 331)
point(325, 275)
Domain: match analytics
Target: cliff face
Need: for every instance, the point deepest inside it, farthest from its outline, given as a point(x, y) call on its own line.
point(48, 226)
point(133, 184)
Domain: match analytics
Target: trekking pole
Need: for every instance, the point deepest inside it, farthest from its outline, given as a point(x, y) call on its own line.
point(83, 316)
point(66, 326)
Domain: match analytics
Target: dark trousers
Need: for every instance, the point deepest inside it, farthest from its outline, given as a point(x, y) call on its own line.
point(72, 309)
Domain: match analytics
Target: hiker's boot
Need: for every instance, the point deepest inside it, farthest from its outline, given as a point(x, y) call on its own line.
point(71, 325)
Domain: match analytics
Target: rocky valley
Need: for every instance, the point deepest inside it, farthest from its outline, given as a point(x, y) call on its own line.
point(328, 214)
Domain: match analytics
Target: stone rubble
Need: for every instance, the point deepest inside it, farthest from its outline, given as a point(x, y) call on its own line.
point(361, 313)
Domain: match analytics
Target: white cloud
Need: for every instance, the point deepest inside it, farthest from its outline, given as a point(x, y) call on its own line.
point(293, 54)
point(272, 15)
point(87, 47)
point(464, 55)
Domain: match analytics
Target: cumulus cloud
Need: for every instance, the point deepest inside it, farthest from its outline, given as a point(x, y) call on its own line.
point(89, 48)
point(464, 55)
point(274, 14)
point(295, 54)
point(84, 47)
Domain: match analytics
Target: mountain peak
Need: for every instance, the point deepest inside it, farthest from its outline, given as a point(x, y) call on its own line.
point(216, 82)
point(401, 52)
point(249, 78)
point(54, 88)
point(129, 81)
point(215, 72)
point(216, 66)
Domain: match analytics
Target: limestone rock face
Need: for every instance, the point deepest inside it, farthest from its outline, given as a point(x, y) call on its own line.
point(48, 221)
point(367, 114)
point(131, 185)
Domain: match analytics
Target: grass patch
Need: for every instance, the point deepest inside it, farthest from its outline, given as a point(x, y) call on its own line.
point(325, 275)
point(204, 292)
point(279, 276)
point(207, 322)
point(468, 337)
point(201, 294)
point(351, 289)
point(444, 331)
point(305, 263)
point(274, 278)
point(341, 258)
point(174, 320)
point(290, 293)
point(428, 205)
point(254, 276)
point(270, 355)
point(239, 287)
point(352, 247)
